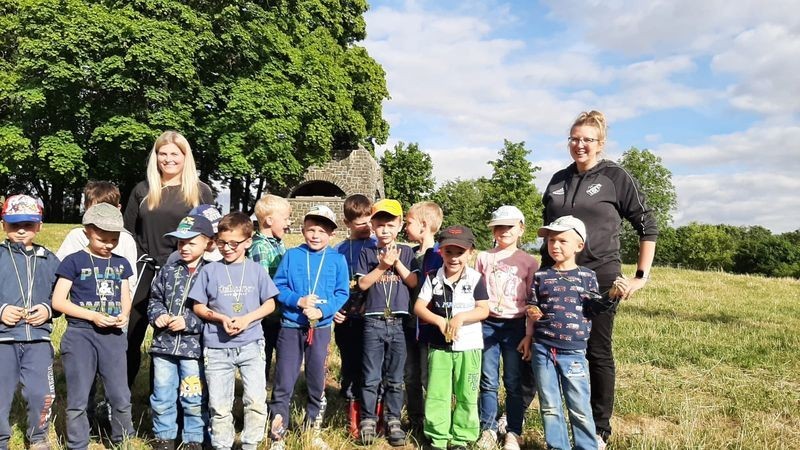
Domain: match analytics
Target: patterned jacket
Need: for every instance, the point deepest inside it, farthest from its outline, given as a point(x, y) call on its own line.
point(169, 296)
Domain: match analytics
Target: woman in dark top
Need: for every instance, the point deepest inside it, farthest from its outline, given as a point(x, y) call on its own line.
point(601, 194)
point(155, 208)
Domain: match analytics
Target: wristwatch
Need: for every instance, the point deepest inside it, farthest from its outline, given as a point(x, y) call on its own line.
point(640, 274)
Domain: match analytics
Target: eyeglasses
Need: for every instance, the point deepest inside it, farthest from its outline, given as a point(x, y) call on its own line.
point(585, 141)
point(232, 244)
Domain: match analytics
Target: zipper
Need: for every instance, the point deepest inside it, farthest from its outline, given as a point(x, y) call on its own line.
point(29, 302)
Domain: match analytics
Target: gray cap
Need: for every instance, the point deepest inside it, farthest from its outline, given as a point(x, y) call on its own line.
point(105, 217)
point(565, 223)
point(324, 213)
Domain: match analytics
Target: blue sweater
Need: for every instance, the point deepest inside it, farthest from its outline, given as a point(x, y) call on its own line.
point(297, 274)
point(44, 278)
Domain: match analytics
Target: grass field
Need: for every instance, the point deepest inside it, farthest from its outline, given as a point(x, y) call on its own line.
point(705, 360)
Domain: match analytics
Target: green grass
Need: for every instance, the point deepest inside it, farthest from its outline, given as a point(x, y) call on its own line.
point(704, 360)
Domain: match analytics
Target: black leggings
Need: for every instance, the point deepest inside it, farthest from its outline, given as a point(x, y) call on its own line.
point(137, 324)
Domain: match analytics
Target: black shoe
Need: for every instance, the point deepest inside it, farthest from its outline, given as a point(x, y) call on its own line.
point(163, 444)
point(367, 431)
point(192, 446)
point(395, 434)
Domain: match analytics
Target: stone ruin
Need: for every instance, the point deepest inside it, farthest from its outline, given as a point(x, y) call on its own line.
point(348, 173)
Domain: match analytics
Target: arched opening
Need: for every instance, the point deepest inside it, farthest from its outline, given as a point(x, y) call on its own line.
point(317, 189)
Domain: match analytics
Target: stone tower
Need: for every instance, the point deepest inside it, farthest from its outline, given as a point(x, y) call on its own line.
point(348, 173)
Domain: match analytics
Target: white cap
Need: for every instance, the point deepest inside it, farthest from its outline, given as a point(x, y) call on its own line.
point(506, 215)
point(565, 223)
point(322, 212)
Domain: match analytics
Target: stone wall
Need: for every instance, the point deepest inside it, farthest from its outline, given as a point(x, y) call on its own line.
point(302, 205)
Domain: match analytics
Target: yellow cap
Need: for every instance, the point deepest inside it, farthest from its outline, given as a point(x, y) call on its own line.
point(386, 205)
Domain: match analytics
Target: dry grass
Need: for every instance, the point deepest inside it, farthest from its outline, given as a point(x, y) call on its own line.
point(705, 360)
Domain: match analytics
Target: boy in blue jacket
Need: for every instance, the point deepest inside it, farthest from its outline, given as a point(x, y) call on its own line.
point(313, 283)
point(176, 340)
point(27, 276)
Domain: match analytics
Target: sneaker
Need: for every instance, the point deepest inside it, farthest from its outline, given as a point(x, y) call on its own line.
point(192, 446)
point(487, 441)
point(278, 445)
point(502, 424)
point(163, 444)
point(319, 444)
point(512, 441)
point(367, 431)
point(41, 445)
point(601, 443)
point(395, 434)
point(276, 428)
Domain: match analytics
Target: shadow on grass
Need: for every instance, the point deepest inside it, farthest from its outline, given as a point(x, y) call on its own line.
point(711, 318)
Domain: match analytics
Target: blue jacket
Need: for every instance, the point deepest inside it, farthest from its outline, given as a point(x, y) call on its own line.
point(44, 263)
point(168, 295)
point(295, 280)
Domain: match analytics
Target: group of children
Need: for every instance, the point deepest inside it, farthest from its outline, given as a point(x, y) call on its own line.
point(420, 318)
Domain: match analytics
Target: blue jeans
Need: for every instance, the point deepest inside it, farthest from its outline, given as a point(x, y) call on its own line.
point(564, 371)
point(29, 364)
point(171, 375)
point(384, 357)
point(220, 366)
point(501, 338)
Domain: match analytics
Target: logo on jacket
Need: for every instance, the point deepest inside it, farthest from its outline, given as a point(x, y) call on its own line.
point(594, 189)
point(559, 191)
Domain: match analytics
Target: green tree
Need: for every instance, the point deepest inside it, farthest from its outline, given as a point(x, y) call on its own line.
point(705, 247)
point(463, 203)
point(260, 89)
point(512, 183)
point(407, 174)
point(655, 181)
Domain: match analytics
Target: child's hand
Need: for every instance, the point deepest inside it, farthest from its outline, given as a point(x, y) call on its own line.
point(309, 301)
point(389, 256)
point(178, 323)
point(534, 313)
point(36, 316)
point(163, 320)
point(229, 326)
point(441, 323)
point(313, 313)
point(103, 321)
point(241, 323)
point(339, 317)
point(121, 321)
point(455, 325)
point(12, 315)
point(524, 347)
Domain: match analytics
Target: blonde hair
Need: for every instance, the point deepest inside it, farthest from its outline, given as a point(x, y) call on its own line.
point(189, 180)
point(428, 212)
point(268, 205)
point(594, 119)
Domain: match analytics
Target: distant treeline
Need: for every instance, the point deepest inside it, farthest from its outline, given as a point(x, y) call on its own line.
point(750, 250)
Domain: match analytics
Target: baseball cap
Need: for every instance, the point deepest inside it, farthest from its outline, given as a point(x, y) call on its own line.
point(22, 208)
point(104, 216)
point(458, 236)
point(324, 213)
point(506, 215)
point(210, 212)
point(389, 206)
point(565, 223)
point(192, 226)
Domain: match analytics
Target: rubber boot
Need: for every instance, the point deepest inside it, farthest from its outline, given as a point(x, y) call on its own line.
point(353, 418)
point(379, 413)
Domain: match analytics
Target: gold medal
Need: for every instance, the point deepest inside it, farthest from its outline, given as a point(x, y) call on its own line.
point(387, 312)
point(352, 285)
point(448, 333)
point(237, 307)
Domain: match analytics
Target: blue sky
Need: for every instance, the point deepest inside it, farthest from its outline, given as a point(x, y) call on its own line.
point(710, 86)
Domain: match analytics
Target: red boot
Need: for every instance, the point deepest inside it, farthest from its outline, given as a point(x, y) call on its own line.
point(353, 418)
point(379, 413)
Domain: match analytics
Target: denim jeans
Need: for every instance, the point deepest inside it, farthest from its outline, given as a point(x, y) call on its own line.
point(174, 375)
point(500, 339)
point(31, 365)
point(220, 366)
point(384, 357)
point(564, 371)
point(416, 375)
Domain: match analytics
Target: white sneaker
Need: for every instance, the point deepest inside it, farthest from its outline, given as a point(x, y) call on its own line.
point(601, 444)
point(512, 441)
point(277, 445)
point(318, 444)
point(487, 441)
point(502, 424)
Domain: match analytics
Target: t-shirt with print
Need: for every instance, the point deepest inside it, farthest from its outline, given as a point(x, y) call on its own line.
point(96, 283)
point(563, 297)
point(351, 249)
point(233, 290)
point(446, 299)
point(509, 279)
point(389, 291)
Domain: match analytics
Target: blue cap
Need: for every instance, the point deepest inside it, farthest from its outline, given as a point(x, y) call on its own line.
point(192, 226)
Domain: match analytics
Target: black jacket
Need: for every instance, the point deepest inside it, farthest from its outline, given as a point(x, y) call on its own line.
point(601, 197)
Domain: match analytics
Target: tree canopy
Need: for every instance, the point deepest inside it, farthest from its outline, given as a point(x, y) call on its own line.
point(407, 174)
point(260, 89)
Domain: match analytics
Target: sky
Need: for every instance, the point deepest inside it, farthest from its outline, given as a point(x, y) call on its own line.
point(711, 87)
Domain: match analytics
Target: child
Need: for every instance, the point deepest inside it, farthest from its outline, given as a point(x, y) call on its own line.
point(562, 295)
point(313, 284)
point(423, 221)
point(454, 300)
point(92, 291)
point(509, 273)
point(386, 272)
point(232, 296)
point(176, 340)
point(272, 213)
point(349, 328)
point(27, 275)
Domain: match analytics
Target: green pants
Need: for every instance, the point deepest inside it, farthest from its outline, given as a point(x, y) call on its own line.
point(452, 374)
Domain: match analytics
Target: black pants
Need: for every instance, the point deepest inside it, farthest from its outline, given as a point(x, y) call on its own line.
point(137, 324)
point(416, 375)
point(602, 369)
point(349, 336)
point(271, 328)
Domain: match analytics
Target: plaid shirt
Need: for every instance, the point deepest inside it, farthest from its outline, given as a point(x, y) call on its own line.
point(267, 251)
